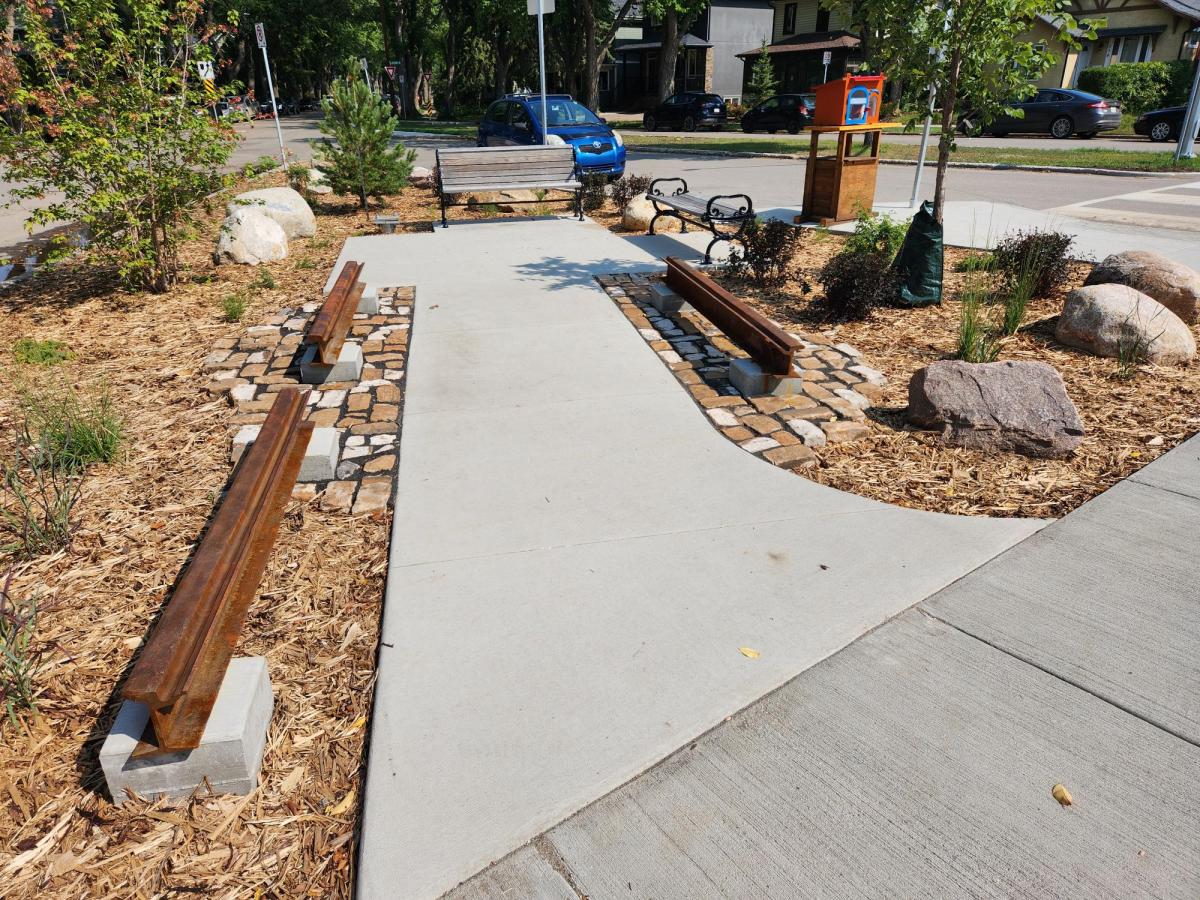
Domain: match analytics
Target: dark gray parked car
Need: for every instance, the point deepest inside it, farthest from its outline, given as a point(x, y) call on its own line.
point(1060, 113)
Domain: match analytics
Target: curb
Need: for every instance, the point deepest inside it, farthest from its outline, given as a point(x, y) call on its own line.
point(1013, 167)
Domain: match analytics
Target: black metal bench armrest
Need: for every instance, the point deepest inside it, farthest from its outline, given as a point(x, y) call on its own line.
point(713, 213)
point(654, 190)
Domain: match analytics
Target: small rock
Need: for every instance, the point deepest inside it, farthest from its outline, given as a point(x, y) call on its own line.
point(380, 463)
point(637, 214)
point(723, 417)
point(243, 393)
point(282, 204)
point(809, 433)
point(338, 496)
point(1117, 320)
point(1018, 406)
point(250, 237)
point(843, 432)
point(792, 457)
point(421, 177)
point(373, 497)
point(854, 398)
point(874, 376)
point(1174, 285)
point(347, 469)
point(759, 444)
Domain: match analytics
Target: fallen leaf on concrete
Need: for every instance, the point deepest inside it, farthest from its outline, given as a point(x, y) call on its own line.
point(748, 652)
point(1062, 795)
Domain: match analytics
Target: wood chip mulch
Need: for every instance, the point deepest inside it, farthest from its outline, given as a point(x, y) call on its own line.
point(1129, 421)
point(315, 619)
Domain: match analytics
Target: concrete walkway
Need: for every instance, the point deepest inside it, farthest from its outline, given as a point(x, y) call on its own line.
point(919, 761)
point(578, 555)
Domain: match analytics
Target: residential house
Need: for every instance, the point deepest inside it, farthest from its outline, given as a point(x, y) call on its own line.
point(1130, 31)
point(708, 56)
point(802, 33)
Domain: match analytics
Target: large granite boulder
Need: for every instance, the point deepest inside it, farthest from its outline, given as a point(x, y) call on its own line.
point(421, 177)
point(282, 204)
point(1174, 285)
point(1118, 321)
point(1018, 406)
point(637, 214)
point(248, 236)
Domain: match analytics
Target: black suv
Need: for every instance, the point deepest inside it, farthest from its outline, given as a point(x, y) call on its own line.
point(687, 112)
point(783, 112)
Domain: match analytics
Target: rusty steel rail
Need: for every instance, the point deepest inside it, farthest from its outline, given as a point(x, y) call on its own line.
point(768, 344)
point(332, 324)
point(183, 663)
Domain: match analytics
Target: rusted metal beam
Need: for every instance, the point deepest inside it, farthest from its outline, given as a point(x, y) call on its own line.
point(766, 343)
point(183, 663)
point(332, 324)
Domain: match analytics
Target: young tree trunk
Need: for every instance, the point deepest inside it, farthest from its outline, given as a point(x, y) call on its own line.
point(946, 140)
point(503, 59)
point(451, 67)
point(592, 60)
point(669, 55)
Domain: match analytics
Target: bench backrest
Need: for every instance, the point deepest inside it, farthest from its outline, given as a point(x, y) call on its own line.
point(504, 167)
point(183, 663)
point(766, 343)
point(332, 324)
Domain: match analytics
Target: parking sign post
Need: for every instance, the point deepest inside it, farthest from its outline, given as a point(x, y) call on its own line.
point(539, 8)
point(261, 34)
point(1191, 116)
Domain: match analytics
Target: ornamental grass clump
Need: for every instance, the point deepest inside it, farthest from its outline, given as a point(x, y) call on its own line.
point(977, 338)
point(69, 427)
point(20, 658)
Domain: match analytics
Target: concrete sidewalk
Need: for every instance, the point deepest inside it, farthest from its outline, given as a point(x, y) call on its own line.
point(919, 761)
point(578, 555)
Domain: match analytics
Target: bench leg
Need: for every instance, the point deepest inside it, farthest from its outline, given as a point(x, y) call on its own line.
point(708, 249)
point(579, 204)
point(443, 200)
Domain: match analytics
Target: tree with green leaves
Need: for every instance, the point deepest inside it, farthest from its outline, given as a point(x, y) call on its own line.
point(361, 159)
point(973, 55)
point(115, 131)
point(763, 83)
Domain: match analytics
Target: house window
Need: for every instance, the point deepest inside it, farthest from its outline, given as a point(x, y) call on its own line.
point(822, 19)
point(789, 19)
point(695, 63)
point(604, 80)
point(1130, 48)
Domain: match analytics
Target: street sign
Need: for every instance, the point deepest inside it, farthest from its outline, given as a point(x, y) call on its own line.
point(204, 68)
point(260, 34)
point(532, 6)
point(391, 71)
point(827, 57)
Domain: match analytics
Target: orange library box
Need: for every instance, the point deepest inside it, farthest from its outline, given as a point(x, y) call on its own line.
point(850, 100)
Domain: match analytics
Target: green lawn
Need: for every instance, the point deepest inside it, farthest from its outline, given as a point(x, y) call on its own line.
point(1078, 157)
point(432, 126)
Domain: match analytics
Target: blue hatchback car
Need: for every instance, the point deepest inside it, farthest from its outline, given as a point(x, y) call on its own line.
point(517, 120)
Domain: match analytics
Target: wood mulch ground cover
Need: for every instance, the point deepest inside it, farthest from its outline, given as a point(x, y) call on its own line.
point(315, 619)
point(1129, 421)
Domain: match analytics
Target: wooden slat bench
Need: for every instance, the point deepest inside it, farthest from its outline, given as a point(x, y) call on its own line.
point(726, 221)
point(332, 324)
point(466, 170)
point(768, 345)
point(183, 663)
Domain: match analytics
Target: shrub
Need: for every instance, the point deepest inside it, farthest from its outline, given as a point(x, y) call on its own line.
point(29, 352)
point(876, 234)
point(768, 250)
point(977, 341)
point(258, 166)
point(233, 307)
point(71, 427)
point(628, 186)
point(361, 159)
point(1137, 86)
point(265, 279)
point(856, 283)
point(1179, 87)
point(593, 192)
point(1036, 258)
point(975, 262)
point(19, 660)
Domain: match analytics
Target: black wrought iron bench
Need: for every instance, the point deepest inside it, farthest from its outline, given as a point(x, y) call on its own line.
point(726, 221)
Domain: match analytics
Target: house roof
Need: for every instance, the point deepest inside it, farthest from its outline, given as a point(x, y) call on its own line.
point(689, 40)
point(1187, 8)
point(815, 40)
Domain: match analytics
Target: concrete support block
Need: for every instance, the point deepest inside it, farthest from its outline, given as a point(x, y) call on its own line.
point(368, 304)
point(748, 377)
point(321, 457)
point(348, 367)
point(666, 301)
point(229, 755)
point(246, 436)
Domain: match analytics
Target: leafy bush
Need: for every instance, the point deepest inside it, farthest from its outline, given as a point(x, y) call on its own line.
point(769, 248)
point(258, 166)
point(593, 192)
point(977, 340)
point(71, 427)
point(233, 307)
point(1137, 86)
point(29, 352)
point(876, 234)
point(1180, 85)
point(627, 187)
point(856, 283)
point(361, 159)
point(1038, 259)
point(109, 132)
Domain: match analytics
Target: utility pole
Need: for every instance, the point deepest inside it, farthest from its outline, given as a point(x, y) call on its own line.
point(540, 8)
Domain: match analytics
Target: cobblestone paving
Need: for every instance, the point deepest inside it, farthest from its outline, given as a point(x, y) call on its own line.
point(785, 431)
point(367, 413)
